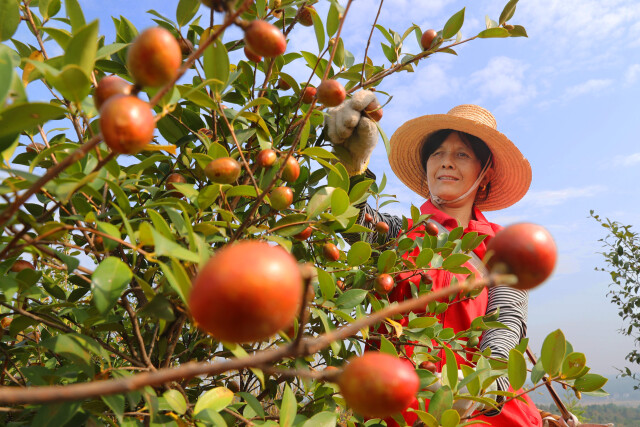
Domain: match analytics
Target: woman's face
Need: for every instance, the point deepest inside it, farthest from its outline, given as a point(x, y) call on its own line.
point(452, 169)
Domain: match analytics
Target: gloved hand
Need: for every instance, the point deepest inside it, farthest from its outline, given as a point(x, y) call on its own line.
point(464, 407)
point(353, 135)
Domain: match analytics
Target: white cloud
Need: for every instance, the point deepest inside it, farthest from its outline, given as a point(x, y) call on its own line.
point(556, 197)
point(590, 86)
point(503, 80)
point(632, 74)
point(628, 160)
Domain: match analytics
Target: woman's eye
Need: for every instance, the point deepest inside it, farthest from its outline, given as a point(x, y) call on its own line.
point(464, 155)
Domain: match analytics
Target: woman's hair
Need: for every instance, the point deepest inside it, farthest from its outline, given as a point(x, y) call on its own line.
point(434, 140)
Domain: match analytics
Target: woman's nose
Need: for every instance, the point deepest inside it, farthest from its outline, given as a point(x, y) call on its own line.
point(447, 161)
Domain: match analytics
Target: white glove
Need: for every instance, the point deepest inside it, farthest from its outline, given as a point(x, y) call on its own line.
point(463, 406)
point(353, 135)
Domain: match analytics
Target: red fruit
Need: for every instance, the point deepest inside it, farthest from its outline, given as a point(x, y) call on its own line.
point(382, 227)
point(224, 170)
point(340, 284)
point(384, 284)
point(264, 39)
point(331, 251)
point(307, 95)
point(20, 265)
point(186, 47)
point(35, 147)
point(304, 234)
point(291, 170)
point(154, 57)
point(126, 123)
point(374, 111)
point(283, 85)
point(171, 179)
point(266, 158)
point(429, 366)
point(108, 87)
point(240, 301)
point(431, 229)
point(252, 56)
point(378, 385)
point(368, 218)
point(526, 250)
point(427, 38)
point(304, 16)
point(331, 93)
point(281, 197)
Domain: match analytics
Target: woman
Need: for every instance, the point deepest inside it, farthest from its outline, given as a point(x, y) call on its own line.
point(461, 164)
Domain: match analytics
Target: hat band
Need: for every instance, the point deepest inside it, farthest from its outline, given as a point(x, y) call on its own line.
point(440, 201)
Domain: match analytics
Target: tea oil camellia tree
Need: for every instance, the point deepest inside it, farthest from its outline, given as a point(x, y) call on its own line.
point(141, 277)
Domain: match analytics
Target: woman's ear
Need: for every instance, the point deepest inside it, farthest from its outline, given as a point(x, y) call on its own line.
point(487, 176)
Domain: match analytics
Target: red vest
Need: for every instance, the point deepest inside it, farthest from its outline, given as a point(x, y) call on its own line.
point(460, 314)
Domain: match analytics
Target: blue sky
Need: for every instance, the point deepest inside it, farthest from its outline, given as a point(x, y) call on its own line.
point(567, 96)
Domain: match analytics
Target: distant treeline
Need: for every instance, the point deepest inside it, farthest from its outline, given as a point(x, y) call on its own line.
point(620, 416)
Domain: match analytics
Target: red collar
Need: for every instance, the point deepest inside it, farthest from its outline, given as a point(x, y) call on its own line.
point(480, 224)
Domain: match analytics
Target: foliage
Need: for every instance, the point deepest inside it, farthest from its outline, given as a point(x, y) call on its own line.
point(622, 256)
point(115, 252)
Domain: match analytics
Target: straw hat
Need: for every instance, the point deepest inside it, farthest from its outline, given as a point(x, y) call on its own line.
point(512, 173)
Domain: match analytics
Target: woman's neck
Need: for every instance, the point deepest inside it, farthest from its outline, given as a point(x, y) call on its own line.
point(463, 213)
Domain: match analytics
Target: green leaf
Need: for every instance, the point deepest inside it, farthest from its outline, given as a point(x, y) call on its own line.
point(360, 190)
point(453, 25)
point(517, 369)
point(318, 27)
point(573, 364)
point(72, 82)
point(176, 401)
point(428, 419)
point(424, 258)
point(57, 414)
point(422, 322)
point(75, 15)
point(49, 8)
point(327, 285)
point(166, 247)
point(322, 419)
point(452, 368)
point(441, 401)
point(116, 403)
point(387, 347)
point(319, 202)
point(288, 407)
point(186, 11)
point(450, 418)
point(253, 403)
point(111, 230)
point(333, 20)
point(507, 12)
point(553, 350)
point(537, 372)
point(351, 298)
point(10, 13)
point(589, 382)
point(454, 260)
point(108, 282)
point(177, 278)
point(493, 33)
point(242, 190)
point(82, 48)
point(518, 31)
point(18, 118)
point(359, 253)
point(339, 202)
point(215, 399)
point(455, 234)
point(386, 261)
point(216, 65)
point(6, 76)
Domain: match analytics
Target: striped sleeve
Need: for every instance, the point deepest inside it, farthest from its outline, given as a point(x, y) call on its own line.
point(513, 305)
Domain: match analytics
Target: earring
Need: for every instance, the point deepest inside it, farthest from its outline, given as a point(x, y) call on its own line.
point(483, 187)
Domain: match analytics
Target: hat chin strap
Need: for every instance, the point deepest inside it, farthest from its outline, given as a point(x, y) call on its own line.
point(440, 201)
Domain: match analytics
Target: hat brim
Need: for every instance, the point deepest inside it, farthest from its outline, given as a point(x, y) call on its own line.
point(511, 176)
